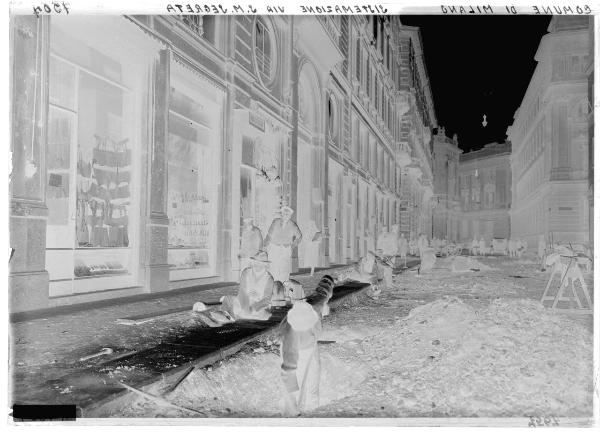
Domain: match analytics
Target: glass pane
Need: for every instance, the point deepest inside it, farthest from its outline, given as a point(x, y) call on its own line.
point(62, 84)
point(246, 193)
point(58, 162)
point(188, 108)
point(190, 184)
point(103, 166)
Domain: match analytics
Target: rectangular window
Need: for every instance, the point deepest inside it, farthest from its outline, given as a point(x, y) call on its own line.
point(92, 144)
point(355, 138)
point(364, 145)
point(358, 65)
point(368, 79)
point(193, 171)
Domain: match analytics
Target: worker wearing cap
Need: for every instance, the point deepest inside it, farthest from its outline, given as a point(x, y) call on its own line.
point(283, 236)
point(251, 243)
point(255, 291)
point(301, 367)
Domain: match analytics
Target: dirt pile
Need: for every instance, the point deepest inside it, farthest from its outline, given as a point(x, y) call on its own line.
point(513, 357)
point(249, 384)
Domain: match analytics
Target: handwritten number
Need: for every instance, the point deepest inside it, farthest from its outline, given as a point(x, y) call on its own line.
point(541, 421)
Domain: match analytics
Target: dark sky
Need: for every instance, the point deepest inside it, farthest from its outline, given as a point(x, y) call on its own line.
point(478, 65)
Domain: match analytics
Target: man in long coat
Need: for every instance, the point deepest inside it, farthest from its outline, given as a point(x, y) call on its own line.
point(283, 236)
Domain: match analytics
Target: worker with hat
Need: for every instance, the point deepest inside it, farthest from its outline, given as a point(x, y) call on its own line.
point(283, 236)
point(256, 289)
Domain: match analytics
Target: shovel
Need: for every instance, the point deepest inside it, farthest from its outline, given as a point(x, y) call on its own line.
point(98, 354)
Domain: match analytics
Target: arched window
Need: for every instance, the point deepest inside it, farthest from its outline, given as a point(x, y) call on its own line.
point(264, 50)
point(332, 120)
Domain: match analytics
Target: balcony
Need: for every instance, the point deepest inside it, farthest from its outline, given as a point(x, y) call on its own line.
point(560, 173)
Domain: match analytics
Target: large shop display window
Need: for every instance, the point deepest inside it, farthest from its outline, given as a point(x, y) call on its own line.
point(193, 174)
point(93, 132)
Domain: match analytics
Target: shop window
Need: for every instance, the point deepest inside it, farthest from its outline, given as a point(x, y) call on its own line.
point(103, 166)
point(89, 167)
point(264, 50)
point(192, 181)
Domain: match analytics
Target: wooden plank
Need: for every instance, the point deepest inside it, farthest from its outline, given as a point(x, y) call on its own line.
point(146, 317)
point(158, 400)
point(179, 380)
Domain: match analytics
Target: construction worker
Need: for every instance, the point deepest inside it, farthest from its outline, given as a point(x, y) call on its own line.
point(301, 366)
point(251, 243)
point(255, 292)
point(283, 236)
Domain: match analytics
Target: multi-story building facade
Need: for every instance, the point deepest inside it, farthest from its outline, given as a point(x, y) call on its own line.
point(550, 137)
point(590, 75)
point(446, 189)
point(485, 193)
point(140, 143)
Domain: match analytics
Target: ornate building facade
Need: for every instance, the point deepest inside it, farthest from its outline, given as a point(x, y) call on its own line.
point(447, 211)
point(550, 135)
point(141, 142)
point(485, 193)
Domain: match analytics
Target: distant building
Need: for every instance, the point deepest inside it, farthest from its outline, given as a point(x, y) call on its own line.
point(485, 192)
point(446, 189)
point(551, 139)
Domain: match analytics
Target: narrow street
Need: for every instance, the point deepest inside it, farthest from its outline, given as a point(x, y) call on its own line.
point(472, 344)
point(177, 176)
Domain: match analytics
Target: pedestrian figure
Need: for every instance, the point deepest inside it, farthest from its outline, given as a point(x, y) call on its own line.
point(282, 237)
point(370, 240)
point(420, 245)
point(412, 247)
point(524, 246)
point(312, 245)
point(482, 248)
point(301, 366)
point(512, 247)
point(255, 292)
point(251, 243)
point(403, 248)
point(542, 251)
point(474, 246)
point(519, 247)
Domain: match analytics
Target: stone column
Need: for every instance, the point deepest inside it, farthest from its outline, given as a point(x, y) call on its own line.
point(295, 106)
point(156, 268)
point(226, 221)
point(28, 278)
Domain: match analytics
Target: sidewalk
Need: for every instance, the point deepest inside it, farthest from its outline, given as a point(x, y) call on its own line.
point(46, 351)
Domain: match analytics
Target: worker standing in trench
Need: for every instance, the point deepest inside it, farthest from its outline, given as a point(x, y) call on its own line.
point(301, 366)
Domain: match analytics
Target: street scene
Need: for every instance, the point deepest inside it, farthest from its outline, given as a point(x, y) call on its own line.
point(349, 216)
